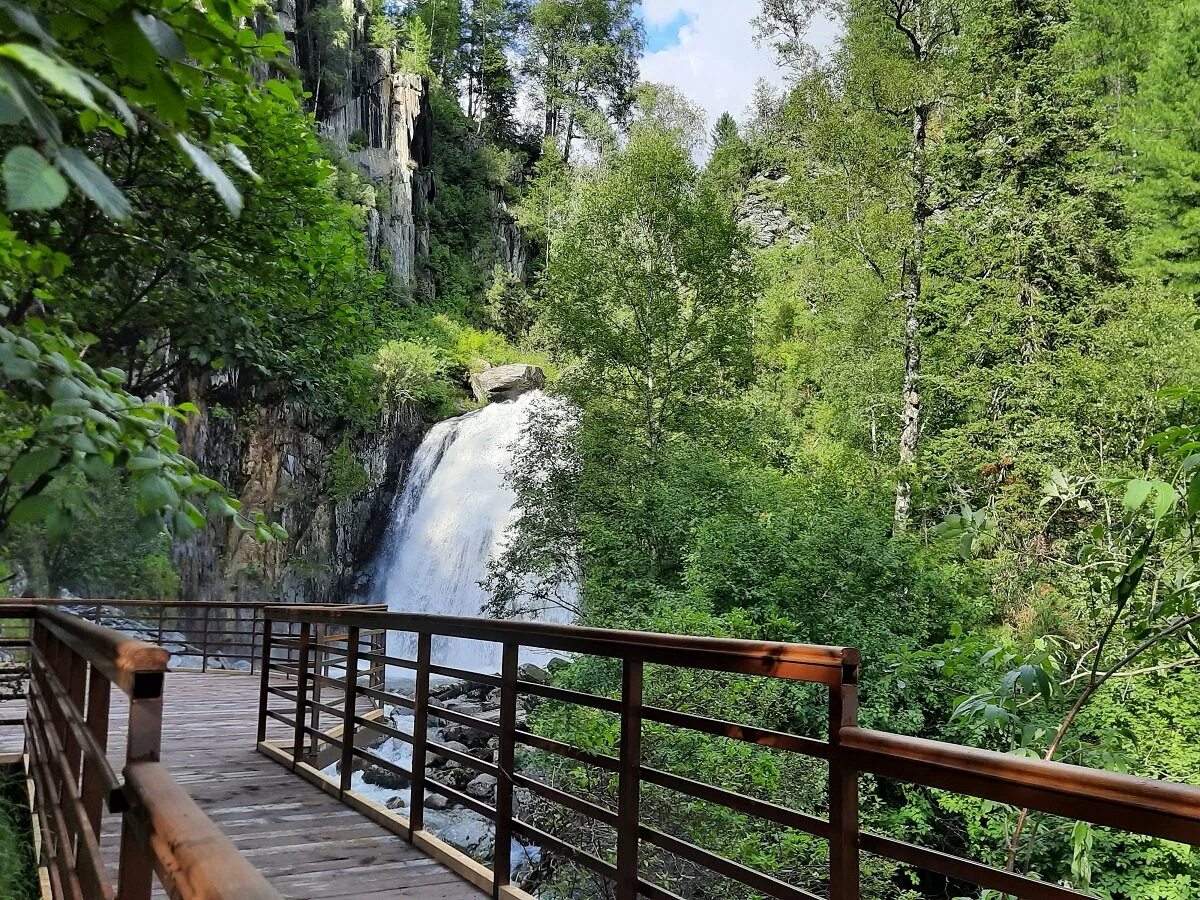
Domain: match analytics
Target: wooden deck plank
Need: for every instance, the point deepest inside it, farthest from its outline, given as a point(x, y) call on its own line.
point(306, 843)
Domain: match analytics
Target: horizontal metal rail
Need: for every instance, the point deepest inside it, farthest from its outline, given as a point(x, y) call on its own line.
point(1165, 810)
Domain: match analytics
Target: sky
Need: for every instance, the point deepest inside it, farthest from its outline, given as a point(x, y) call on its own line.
point(706, 49)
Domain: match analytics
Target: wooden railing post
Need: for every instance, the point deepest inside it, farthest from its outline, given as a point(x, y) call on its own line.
point(629, 779)
point(349, 707)
point(99, 692)
point(318, 665)
point(143, 744)
point(75, 681)
point(301, 692)
point(265, 682)
point(843, 790)
point(416, 819)
point(204, 642)
point(502, 856)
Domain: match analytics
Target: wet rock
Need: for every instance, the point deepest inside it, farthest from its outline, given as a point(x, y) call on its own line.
point(482, 787)
point(450, 690)
point(396, 802)
point(461, 734)
point(436, 801)
point(506, 382)
point(436, 761)
point(384, 778)
point(531, 672)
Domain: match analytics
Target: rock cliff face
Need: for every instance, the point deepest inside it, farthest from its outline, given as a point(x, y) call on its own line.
point(332, 491)
point(333, 495)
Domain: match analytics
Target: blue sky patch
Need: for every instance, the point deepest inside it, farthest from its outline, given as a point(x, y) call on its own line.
point(660, 37)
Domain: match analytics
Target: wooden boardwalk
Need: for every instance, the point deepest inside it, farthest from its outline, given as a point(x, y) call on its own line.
point(305, 842)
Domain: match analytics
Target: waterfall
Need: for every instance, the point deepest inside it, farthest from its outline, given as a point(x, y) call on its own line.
point(449, 522)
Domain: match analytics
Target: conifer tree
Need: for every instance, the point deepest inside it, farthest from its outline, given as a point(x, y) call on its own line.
point(1025, 255)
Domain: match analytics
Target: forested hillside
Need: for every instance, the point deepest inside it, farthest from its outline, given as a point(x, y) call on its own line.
point(903, 357)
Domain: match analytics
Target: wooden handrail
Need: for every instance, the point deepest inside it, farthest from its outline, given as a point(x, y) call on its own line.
point(136, 667)
point(802, 662)
point(193, 858)
point(73, 665)
point(1140, 805)
point(1159, 808)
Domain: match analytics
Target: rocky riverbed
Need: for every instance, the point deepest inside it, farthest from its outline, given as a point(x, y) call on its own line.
point(453, 823)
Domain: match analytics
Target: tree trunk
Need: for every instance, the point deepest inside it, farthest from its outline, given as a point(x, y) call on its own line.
point(914, 265)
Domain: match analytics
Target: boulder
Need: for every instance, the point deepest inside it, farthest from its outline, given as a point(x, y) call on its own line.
point(461, 734)
point(435, 760)
point(396, 802)
point(384, 778)
point(436, 801)
point(536, 674)
point(482, 787)
point(506, 382)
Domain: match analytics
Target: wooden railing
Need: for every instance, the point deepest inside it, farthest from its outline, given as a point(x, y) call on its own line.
point(1132, 804)
point(74, 665)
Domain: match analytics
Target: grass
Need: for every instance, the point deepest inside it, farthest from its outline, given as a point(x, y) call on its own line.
point(18, 870)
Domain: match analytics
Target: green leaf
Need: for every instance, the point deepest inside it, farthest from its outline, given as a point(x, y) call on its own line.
point(27, 22)
point(31, 509)
point(34, 464)
point(1164, 500)
point(30, 182)
point(1136, 493)
point(162, 37)
point(155, 493)
point(61, 76)
point(38, 114)
point(213, 174)
point(10, 109)
point(94, 184)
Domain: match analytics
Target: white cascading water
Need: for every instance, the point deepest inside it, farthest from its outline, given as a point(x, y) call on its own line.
point(449, 522)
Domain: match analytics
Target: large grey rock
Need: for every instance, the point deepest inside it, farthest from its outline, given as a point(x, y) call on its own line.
point(384, 778)
point(506, 382)
point(482, 787)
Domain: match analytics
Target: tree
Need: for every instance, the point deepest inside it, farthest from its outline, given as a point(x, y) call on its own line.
point(665, 108)
point(583, 57)
point(648, 289)
point(897, 59)
point(1163, 134)
point(61, 418)
point(492, 29)
point(1028, 258)
point(728, 162)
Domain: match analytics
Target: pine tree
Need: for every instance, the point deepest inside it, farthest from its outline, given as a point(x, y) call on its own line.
point(1025, 256)
point(729, 163)
point(1166, 138)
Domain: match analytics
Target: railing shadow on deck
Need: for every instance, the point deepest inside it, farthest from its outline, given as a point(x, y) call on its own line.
point(73, 666)
point(324, 641)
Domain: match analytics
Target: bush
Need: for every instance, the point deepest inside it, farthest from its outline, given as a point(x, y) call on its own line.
point(409, 371)
point(159, 579)
point(346, 475)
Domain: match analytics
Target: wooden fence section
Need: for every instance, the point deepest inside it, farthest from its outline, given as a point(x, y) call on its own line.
point(74, 665)
point(332, 636)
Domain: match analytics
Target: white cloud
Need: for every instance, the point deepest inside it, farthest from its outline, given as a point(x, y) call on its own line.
point(715, 61)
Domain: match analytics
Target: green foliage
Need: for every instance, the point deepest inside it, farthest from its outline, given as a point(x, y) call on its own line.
point(159, 578)
point(61, 420)
point(583, 57)
point(409, 371)
point(346, 476)
point(18, 865)
point(143, 69)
